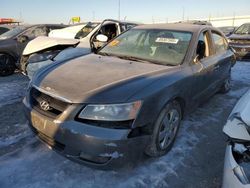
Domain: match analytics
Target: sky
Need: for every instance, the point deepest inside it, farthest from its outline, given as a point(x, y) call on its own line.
point(145, 11)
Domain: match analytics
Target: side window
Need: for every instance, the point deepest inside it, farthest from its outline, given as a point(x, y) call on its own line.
point(130, 26)
point(203, 49)
point(123, 27)
point(50, 28)
point(110, 30)
point(219, 42)
point(36, 31)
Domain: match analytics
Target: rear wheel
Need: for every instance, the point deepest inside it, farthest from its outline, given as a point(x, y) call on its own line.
point(165, 130)
point(7, 65)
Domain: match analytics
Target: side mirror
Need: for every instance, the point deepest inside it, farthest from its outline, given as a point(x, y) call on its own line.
point(101, 38)
point(201, 48)
point(22, 38)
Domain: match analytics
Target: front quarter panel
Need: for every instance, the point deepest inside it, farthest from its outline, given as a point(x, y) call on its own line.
point(174, 84)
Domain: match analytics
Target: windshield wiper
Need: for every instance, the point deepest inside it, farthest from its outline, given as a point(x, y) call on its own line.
point(133, 59)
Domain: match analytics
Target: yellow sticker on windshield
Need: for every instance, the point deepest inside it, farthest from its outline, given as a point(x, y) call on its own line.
point(114, 43)
point(167, 40)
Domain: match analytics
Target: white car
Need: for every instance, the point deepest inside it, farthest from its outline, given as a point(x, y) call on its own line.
point(69, 43)
point(237, 157)
point(69, 32)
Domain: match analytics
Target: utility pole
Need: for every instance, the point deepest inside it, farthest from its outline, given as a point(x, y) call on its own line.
point(119, 9)
point(183, 13)
point(93, 14)
point(233, 18)
point(20, 17)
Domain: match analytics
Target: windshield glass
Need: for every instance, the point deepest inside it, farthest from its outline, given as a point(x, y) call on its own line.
point(86, 30)
point(13, 32)
point(244, 29)
point(164, 47)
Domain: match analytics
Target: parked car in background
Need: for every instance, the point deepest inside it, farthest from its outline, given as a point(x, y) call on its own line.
point(129, 98)
point(196, 22)
point(227, 30)
point(73, 31)
point(237, 157)
point(90, 37)
point(14, 41)
point(240, 41)
point(5, 28)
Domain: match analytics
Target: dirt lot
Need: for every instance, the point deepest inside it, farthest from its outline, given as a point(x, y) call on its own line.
point(196, 159)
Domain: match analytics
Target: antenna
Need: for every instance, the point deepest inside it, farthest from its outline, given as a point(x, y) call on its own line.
point(119, 9)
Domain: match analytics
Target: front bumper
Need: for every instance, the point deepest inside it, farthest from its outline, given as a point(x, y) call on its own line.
point(230, 179)
point(86, 144)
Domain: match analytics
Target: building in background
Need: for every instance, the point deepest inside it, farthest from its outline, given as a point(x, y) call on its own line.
point(229, 21)
point(9, 21)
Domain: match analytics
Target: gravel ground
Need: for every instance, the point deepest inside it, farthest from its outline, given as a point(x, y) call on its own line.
point(196, 159)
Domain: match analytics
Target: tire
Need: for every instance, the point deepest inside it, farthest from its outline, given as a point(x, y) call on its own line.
point(164, 134)
point(7, 65)
point(225, 88)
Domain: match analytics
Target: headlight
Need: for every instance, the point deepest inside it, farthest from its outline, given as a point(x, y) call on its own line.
point(42, 56)
point(111, 112)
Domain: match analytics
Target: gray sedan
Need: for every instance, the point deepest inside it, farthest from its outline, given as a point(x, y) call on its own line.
point(129, 99)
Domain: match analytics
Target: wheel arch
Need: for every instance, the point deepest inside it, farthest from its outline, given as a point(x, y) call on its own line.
point(182, 103)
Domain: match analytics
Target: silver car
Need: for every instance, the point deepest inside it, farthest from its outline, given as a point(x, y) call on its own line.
point(237, 157)
point(65, 44)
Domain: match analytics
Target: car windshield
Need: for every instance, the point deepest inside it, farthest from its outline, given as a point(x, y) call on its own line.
point(244, 29)
point(86, 30)
point(158, 46)
point(13, 32)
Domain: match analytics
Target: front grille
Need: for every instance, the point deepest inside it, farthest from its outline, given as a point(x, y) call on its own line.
point(56, 106)
point(240, 41)
point(240, 49)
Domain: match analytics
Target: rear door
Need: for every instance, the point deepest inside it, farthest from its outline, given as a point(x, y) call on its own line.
point(223, 58)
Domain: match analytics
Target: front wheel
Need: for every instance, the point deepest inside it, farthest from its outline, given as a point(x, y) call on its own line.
point(7, 65)
point(165, 130)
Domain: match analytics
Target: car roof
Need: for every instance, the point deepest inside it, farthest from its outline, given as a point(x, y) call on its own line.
point(62, 25)
point(194, 28)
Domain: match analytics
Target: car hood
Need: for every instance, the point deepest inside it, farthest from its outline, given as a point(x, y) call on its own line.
point(234, 127)
point(239, 37)
point(96, 79)
point(44, 42)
